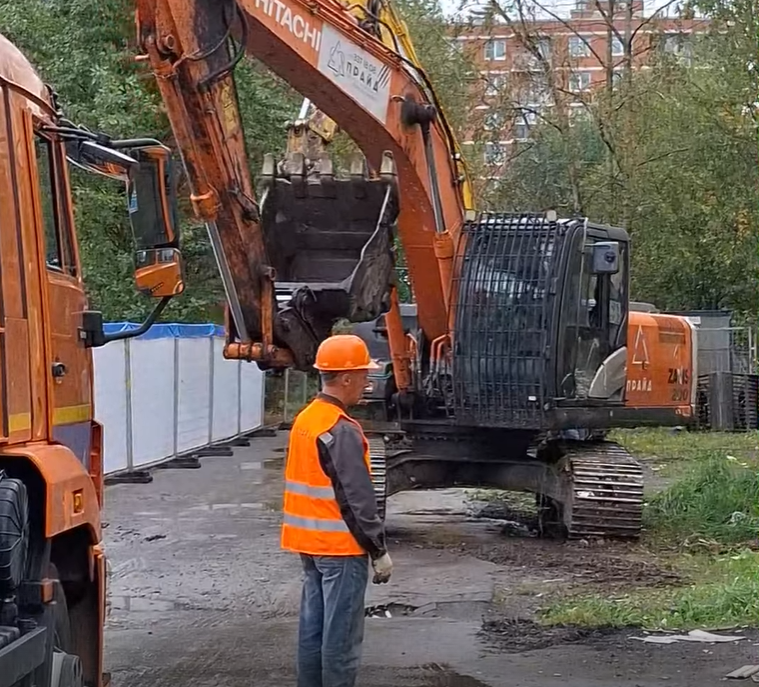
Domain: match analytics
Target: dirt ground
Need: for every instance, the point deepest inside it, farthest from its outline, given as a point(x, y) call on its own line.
point(201, 595)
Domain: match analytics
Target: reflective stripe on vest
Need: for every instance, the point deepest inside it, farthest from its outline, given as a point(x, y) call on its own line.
point(312, 521)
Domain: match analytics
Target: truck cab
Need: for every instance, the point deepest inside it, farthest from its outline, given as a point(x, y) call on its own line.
point(52, 562)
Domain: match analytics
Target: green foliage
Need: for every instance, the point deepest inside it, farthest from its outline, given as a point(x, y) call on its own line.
point(86, 50)
point(716, 500)
point(725, 592)
point(664, 444)
point(672, 156)
point(450, 71)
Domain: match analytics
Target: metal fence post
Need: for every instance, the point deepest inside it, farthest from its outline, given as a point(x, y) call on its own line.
point(287, 393)
point(239, 397)
point(210, 389)
point(129, 419)
point(176, 397)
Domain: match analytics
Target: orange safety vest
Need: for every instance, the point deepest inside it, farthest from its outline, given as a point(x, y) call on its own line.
point(312, 521)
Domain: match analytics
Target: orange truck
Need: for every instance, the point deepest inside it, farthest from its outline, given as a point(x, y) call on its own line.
point(52, 565)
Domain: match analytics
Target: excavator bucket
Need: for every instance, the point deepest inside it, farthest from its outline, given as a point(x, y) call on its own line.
point(330, 241)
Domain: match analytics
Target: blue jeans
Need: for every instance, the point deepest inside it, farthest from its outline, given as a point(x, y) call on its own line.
point(331, 628)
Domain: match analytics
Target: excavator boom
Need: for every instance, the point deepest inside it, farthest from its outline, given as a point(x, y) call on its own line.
point(380, 97)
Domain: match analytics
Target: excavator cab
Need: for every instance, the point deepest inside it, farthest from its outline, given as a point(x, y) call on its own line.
point(541, 319)
point(329, 239)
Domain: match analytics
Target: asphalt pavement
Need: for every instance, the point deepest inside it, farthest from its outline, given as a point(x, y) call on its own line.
point(200, 595)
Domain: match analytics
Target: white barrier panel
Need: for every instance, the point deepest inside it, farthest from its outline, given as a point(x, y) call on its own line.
point(170, 392)
point(111, 404)
point(194, 394)
point(251, 396)
point(153, 398)
point(226, 395)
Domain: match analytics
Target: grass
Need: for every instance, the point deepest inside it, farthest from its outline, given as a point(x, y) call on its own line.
point(715, 499)
point(724, 593)
point(706, 521)
point(673, 448)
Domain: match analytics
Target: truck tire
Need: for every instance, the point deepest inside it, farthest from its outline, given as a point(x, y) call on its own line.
point(14, 532)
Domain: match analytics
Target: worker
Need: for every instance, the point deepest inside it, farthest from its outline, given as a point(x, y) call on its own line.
point(331, 518)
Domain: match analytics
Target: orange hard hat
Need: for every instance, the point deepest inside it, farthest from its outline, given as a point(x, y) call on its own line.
point(343, 352)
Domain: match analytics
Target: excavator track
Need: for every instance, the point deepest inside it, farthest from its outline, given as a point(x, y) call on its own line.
point(605, 491)
point(378, 460)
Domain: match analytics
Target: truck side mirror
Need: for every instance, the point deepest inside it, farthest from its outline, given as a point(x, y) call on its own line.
point(158, 272)
point(151, 192)
point(605, 257)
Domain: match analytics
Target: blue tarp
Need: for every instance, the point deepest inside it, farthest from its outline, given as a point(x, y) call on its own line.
point(168, 330)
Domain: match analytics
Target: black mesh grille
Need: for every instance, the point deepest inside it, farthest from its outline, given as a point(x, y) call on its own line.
point(503, 320)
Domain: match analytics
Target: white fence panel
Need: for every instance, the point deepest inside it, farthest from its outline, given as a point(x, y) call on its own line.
point(251, 397)
point(226, 394)
point(152, 374)
point(171, 392)
point(194, 393)
point(111, 403)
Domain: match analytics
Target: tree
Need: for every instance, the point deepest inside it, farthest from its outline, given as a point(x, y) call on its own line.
point(669, 153)
point(86, 50)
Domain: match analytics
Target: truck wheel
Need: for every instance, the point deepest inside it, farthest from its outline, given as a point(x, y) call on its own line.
point(14, 532)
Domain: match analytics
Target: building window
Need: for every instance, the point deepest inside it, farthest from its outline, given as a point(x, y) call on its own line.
point(544, 48)
point(495, 153)
point(578, 47)
point(495, 50)
point(579, 81)
point(617, 47)
point(494, 83)
point(534, 56)
point(522, 125)
point(493, 121)
point(616, 77)
point(677, 44)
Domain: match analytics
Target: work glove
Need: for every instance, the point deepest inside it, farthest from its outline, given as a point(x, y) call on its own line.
point(383, 568)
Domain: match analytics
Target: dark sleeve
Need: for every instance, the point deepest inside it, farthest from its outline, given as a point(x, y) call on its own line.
point(341, 454)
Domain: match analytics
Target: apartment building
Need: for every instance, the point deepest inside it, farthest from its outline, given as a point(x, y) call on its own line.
point(538, 61)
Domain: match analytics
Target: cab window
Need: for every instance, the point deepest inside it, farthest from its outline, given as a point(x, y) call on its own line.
point(59, 255)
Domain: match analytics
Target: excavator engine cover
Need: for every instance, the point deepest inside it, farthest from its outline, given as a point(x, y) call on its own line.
point(330, 241)
point(504, 320)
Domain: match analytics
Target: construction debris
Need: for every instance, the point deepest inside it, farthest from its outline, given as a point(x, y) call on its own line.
point(744, 673)
point(692, 636)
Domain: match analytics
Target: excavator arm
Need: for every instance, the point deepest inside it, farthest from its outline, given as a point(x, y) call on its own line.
point(375, 92)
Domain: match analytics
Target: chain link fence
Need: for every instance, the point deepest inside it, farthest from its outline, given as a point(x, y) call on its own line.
point(728, 375)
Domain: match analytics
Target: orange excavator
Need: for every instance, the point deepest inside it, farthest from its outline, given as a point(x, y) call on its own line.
point(52, 564)
point(520, 353)
point(522, 350)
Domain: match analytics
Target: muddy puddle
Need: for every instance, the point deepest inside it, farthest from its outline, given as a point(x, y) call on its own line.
point(519, 635)
point(511, 539)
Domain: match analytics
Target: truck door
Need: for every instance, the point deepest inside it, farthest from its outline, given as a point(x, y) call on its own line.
point(69, 363)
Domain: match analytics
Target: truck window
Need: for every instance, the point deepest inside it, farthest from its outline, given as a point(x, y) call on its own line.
point(59, 255)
